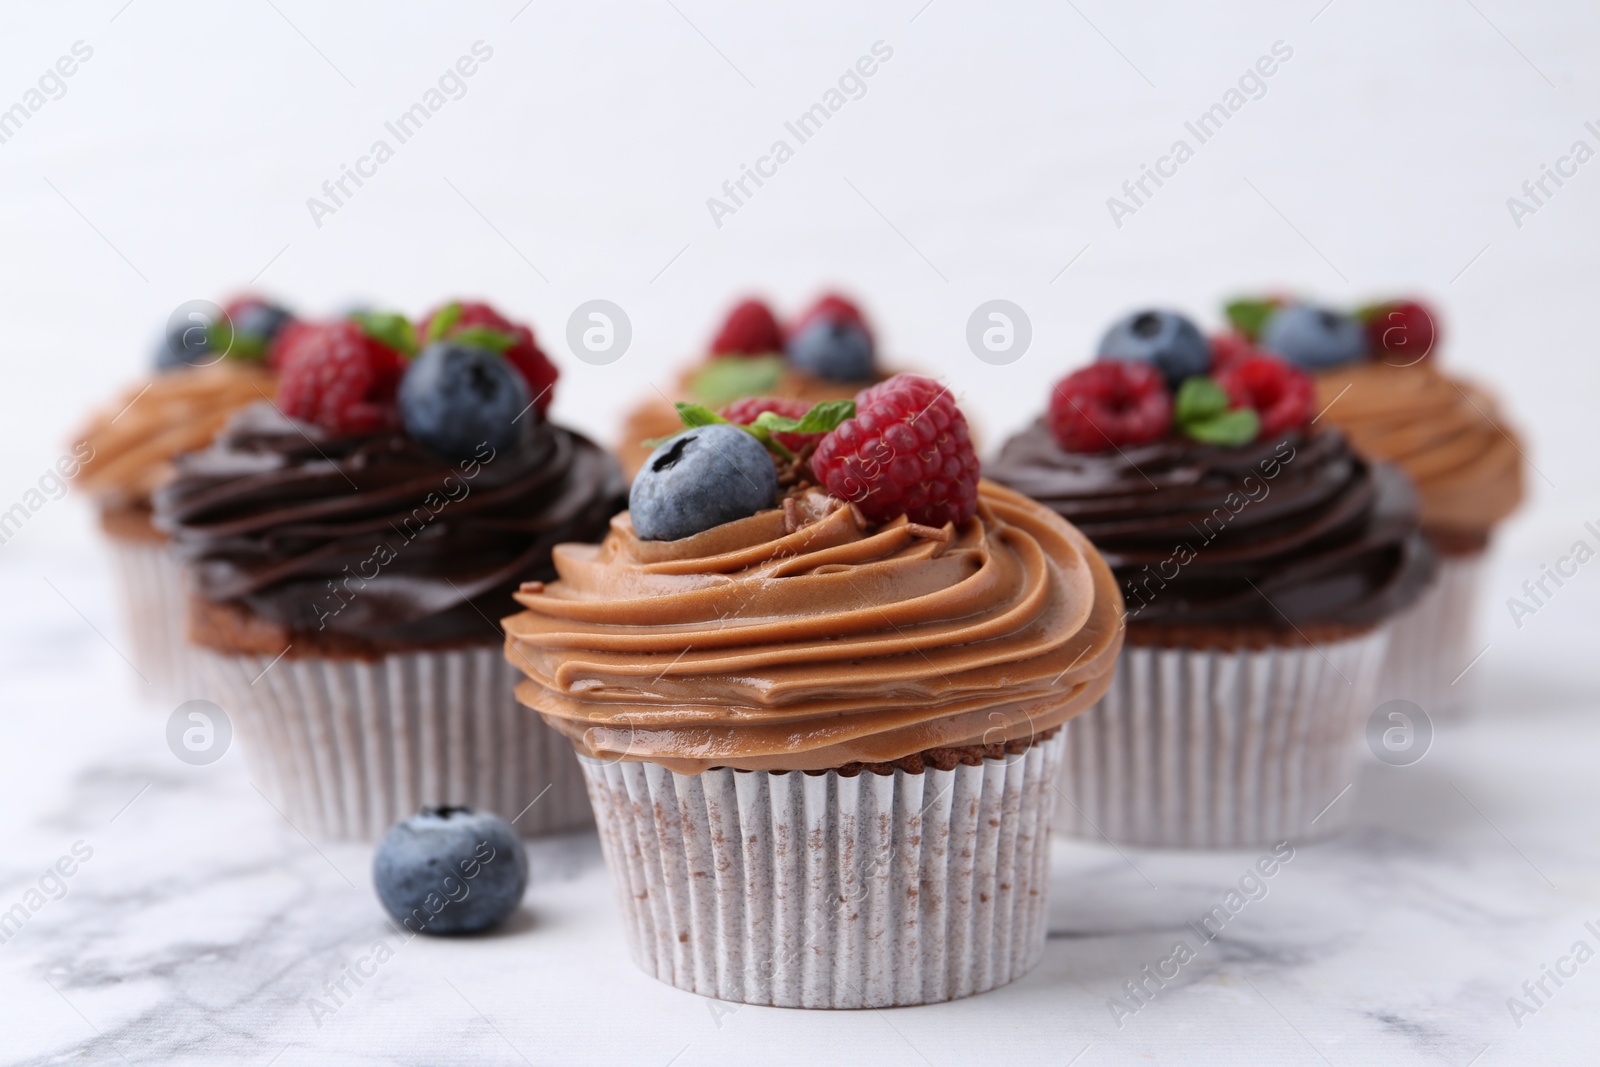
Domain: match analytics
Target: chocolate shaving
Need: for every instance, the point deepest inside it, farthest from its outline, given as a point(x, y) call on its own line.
point(929, 533)
point(531, 587)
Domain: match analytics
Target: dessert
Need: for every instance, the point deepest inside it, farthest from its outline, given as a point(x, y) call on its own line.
point(205, 372)
point(1261, 560)
point(1382, 384)
point(821, 737)
point(827, 353)
point(348, 547)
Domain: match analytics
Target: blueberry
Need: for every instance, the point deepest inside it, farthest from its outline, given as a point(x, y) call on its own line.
point(701, 478)
point(450, 871)
point(834, 349)
point(185, 345)
point(1165, 338)
point(456, 397)
point(255, 325)
point(1313, 337)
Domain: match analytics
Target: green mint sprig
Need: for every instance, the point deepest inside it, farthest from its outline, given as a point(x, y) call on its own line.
point(821, 418)
point(728, 378)
point(1201, 412)
point(388, 328)
point(1249, 316)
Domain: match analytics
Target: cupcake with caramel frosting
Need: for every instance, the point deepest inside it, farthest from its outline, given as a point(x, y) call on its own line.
point(1387, 391)
point(854, 691)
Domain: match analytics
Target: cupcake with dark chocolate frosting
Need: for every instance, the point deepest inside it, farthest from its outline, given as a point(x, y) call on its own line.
point(1379, 379)
point(818, 689)
point(828, 352)
point(1261, 560)
point(349, 548)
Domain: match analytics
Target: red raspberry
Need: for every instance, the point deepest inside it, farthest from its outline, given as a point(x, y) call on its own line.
point(338, 378)
point(1227, 347)
point(832, 306)
point(1405, 329)
point(906, 452)
point(1282, 394)
point(749, 330)
point(1108, 404)
point(525, 354)
point(746, 411)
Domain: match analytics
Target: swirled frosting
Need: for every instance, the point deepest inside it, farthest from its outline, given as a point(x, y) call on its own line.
point(1280, 534)
point(808, 642)
point(374, 538)
point(1447, 434)
point(136, 437)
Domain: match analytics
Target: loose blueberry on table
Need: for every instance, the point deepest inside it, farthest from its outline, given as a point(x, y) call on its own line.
point(450, 870)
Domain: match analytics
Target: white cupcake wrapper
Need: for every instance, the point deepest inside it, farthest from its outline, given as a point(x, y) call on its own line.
point(1435, 640)
point(154, 603)
point(826, 891)
point(1220, 749)
point(348, 747)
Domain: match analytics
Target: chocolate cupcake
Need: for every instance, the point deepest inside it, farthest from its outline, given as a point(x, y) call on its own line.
point(1385, 388)
point(205, 372)
point(1261, 560)
point(828, 353)
point(821, 727)
point(348, 549)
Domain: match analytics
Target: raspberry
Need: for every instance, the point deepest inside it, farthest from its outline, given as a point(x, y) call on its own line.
point(1405, 329)
point(835, 307)
point(1109, 404)
point(749, 330)
point(335, 376)
point(746, 411)
point(906, 452)
point(525, 354)
point(1228, 347)
point(1282, 394)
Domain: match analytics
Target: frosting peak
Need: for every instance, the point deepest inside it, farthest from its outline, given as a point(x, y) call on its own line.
point(803, 641)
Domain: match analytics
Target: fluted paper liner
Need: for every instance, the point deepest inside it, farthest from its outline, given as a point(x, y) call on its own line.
point(827, 891)
point(154, 603)
point(1221, 749)
point(1435, 640)
point(348, 747)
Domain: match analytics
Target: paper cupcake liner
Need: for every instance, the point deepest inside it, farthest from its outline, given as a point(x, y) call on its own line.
point(1435, 640)
point(348, 747)
point(154, 604)
point(826, 891)
point(1221, 749)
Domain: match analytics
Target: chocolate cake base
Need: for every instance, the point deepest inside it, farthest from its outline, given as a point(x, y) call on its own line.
point(235, 629)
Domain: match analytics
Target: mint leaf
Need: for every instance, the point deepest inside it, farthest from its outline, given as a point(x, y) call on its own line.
point(695, 415)
point(388, 328)
point(1231, 428)
point(445, 318)
point(1198, 398)
point(820, 419)
point(486, 337)
point(1248, 316)
point(731, 377)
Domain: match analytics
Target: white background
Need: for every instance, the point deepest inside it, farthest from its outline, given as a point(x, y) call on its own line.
point(977, 165)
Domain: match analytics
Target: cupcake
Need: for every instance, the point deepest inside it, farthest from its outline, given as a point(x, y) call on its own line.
point(348, 548)
point(204, 374)
point(819, 703)
point(828, 353)
point(1262, 561)
point(1378, 378)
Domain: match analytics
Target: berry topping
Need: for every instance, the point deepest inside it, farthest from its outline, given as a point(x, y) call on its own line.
point(1164, 338)
point(1281, 394)
point(835, 307)
point(1108, 405)
point(905, 452)
point(336, 376)
point(450, 871)
point(456, 397)
point(481, 325)
point(703, 477)
point(1403, 331)
point(256, 325)
point(186, 345)
point(745, 412)
point(1227, 347)
point(833, 349)
point(1203, 411)
point(1313, 337)
point(1247, 316)
point(749, 330)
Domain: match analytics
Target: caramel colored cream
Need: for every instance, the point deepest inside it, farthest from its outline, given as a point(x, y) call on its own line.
point(1445, 433)
point(136, 438)
point(806, 642)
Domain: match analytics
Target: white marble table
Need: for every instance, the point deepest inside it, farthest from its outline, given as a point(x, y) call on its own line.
point(202, 928)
